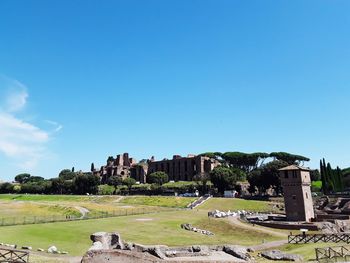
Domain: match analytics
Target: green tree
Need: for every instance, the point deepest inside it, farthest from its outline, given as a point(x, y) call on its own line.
point(315, 175)
point(115, 181)
point(66, 174)
point(244, 161)
point(57, 186)
point(6, 188)
point(202, 180)
point(224, 178)
point(36, 179)
point(266, 177)
point(86, 183)
point(22, 178)
point(289, 158)
point(158, 178)
point(92, 167)
point(129, 182)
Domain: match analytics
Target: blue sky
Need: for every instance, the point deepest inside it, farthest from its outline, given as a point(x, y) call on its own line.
point(82, 80)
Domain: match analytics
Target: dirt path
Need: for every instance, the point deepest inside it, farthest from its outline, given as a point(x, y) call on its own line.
point(117, 200)
point(83, 211)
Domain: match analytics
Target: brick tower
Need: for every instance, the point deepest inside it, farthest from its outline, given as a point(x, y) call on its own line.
point(296, 184)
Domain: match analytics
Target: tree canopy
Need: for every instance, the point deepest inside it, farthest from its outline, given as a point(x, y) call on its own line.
point(245, 161)
point(66, 174)
point(22, 178)
point(157, 178)
point(289, 158)
point(224, 178)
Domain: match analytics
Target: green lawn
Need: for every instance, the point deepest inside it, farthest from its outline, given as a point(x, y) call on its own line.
point(22, 209)
point(225, 204)
point(158, 228)
point(31, 197)
point(165, 201)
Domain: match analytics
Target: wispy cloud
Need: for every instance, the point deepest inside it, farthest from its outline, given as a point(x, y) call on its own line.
point(56, 125)
point(21, 141)
point(17, 99)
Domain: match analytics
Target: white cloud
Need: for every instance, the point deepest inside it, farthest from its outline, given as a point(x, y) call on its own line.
point(17, 100)
point(57, 126)
point(22, 142)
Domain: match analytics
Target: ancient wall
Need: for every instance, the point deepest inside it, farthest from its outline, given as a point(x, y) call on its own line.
point(182, 168)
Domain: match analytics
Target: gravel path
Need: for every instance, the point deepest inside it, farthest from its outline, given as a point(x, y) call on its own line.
point(82, 210)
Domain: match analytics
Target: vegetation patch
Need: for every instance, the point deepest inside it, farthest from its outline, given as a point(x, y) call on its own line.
point(225, 204)
point(166, 201)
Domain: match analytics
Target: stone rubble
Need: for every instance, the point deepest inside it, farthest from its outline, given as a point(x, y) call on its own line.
point(279, 255)
point(189, 227)
point(107, 242)
point(223, 214)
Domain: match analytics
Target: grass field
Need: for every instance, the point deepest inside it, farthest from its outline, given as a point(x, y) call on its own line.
point(22, 209)
point(165, 201)
point(225, 204)
point(156, 228)
point(160, 228)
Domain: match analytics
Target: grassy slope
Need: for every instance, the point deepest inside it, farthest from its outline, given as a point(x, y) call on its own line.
point(232, 204)
point(30, 197)
point(165, 201)
point(22, 209)
point(163, 229)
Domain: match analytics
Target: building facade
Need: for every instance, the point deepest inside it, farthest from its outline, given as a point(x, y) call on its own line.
point(183, 168)
point(296, 183)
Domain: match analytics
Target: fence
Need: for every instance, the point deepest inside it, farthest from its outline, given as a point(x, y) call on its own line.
point(9, 221)
point(13, 256)
point(315, 238)
point(332, 254)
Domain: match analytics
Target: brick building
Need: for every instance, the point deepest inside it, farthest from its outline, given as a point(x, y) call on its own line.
point(296, 184)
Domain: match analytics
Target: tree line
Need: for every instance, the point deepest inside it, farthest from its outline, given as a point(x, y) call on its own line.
point(260, 169)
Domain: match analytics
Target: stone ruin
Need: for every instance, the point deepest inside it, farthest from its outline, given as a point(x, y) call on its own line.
point(123, 166)
point(109, 247)
point(333, 216)
point(178, 169)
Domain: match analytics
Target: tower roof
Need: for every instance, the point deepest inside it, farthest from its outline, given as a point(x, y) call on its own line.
point(294, 167)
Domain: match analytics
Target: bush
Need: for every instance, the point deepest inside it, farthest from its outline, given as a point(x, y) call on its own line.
point(316, 186)
point(6, 188)
point(105, 189)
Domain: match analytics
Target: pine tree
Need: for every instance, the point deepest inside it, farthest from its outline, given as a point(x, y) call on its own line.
point(92, 167)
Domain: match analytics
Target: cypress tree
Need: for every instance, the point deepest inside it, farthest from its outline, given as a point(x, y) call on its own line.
point(330, 177)
point(92, 167)
point(323, 178)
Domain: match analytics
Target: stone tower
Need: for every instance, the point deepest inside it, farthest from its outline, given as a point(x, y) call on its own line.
point(296, 184)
